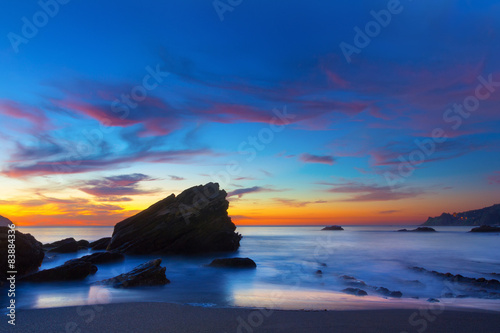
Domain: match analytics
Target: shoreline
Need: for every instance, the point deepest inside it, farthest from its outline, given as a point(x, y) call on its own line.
point(170, 317)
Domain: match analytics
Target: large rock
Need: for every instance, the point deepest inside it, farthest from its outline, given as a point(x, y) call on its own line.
point(485, 216)
point(233, 263)
point(99, 258)
point(147, 274)
point(67, 245)
point(5, 222)
point(196, 221)
point(100, 244)
point(29, 253)
point(78, 270)
point(355, 291)
point(485, 228)
point(333, 227)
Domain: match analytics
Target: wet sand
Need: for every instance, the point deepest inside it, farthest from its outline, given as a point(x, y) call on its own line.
point(165, 317)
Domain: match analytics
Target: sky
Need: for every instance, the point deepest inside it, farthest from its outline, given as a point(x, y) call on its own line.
point(305, 112)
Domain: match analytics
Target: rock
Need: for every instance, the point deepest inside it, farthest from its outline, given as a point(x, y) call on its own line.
point(5, 222)
point(68, 245)
point(480, 282)
point(83, 243)
point(419, 229)
point(485, 228)
point(196, 221)
point(319, 272)
point(147, 274)
point(432, 300)
point(100, 244)
point(396, 294)
point(333, 227)
point(355, 291)
point(233, 263)
point(323, 264)
point(29, 253)
point(78, 270)
point(99, 258)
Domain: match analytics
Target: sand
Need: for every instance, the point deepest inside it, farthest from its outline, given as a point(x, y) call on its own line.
point(165, 317)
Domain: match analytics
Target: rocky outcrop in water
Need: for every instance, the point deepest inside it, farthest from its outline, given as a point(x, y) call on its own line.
point(419, 229)
point(485, 216)
point(75, 270)
point(195, 221)
point(147, 274)
point(67, 245)
point(485, 228)
point(29, 252)
point(99, 258)
point(233, 263)
point(333, 227)
point(480, 283)
point(100, 244)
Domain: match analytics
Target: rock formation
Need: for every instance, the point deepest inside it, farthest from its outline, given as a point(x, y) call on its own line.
point(485, 228)
point(67, 245)
point(147, 274)
point(333, 227)
point(196, 221)
point(77, 270)
point(29, 252)
point(419, 229)
point(234, 263)
point(99, 258)
point(100, 244)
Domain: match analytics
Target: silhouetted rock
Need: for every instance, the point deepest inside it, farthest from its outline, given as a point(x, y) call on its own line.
point(233, 263)
point(67, 245)
point(5, 222)
point(480, 283)
point(147, 274)
point(196, 221)
point(387, 292)
point(486, 216)
point(100, 244)
point(352, 281)
point(78, 270)
point(29, 253)
point(83, 243)
point(419, 229)
point(433, 300)
point(100, 258)
point(355, 291)
point(485, 228)
point(333, 227)
point(319, 272)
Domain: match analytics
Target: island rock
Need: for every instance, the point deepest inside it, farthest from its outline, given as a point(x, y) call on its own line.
point(195, 221)
point(333, 227)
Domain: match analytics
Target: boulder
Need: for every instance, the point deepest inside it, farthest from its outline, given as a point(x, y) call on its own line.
point(233, 263)
point(419, 229)
point(99, 258)
point(485, 228)
point(83, 244)
point(68, 245)
point(147, 274)
point(100, 244)
point(333, 227)
point(387, 292)
point(78, 270)
point(355, 291)
point(195, 221)
point(29, 252)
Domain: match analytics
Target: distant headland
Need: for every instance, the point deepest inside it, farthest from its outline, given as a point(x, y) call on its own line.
point(485, 216)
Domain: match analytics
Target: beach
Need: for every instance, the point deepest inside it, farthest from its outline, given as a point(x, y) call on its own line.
point(165, 317)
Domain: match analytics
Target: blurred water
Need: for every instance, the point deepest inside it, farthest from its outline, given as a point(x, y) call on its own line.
point(287, 259)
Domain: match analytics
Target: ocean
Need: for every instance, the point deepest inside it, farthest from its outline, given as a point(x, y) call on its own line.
point(288, 258)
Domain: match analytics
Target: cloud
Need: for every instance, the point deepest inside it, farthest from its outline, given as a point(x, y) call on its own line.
point(297, 203)
point(389, 211)
point(367, 192)
point(117, 186)
point(243, 191)
point(308, 158)
point(176, 178)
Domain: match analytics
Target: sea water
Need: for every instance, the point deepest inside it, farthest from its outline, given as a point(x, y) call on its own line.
point(288, 258)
